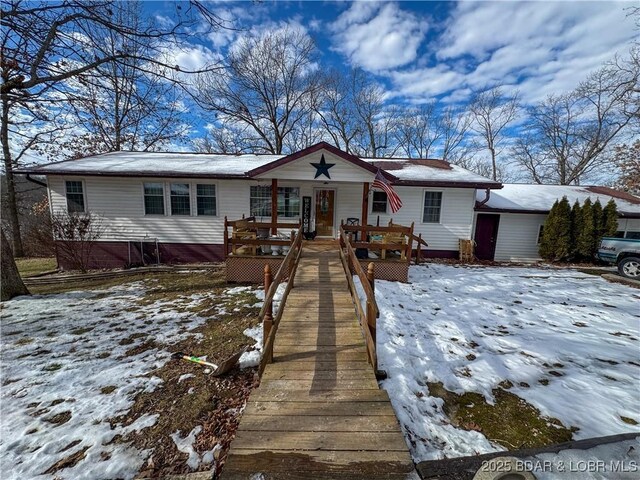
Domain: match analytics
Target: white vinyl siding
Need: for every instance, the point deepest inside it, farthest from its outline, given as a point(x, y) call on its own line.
point(119, 201)
point(518, 235)
point(456, 215)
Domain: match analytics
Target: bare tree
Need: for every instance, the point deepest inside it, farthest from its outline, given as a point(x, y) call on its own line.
point(567, 137)
point(336, 108)
point(492, 112)
point(377, 120)
point(121, 106)
point(454, 124)
point(419, 130)
point(45, 44)
point(627, 158)
point(229, 139)
point(269, 84)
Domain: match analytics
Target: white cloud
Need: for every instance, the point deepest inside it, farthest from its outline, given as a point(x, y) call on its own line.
point(538, 47)
point(377, 36)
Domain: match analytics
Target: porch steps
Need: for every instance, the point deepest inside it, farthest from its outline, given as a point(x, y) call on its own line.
point(318, 412)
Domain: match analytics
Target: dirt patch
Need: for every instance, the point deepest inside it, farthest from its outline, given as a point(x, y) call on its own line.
point(212, 403)
point(66, 462)
point(60, 418)
point(511, 421)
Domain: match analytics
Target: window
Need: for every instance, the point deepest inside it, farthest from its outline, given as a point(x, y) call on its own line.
point(633, 235)
point(540, 233)
point(153, 199)
point(180, 200)
point(260, 201)
point(379, 204)
point(432, 207)
point(206, 199)
point(75, 197)
point(288, 202)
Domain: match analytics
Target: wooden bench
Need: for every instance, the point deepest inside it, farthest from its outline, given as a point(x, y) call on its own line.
point(390, 237)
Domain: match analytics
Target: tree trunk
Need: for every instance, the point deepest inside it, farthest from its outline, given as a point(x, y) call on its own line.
point(11, 283)
point(12, 201)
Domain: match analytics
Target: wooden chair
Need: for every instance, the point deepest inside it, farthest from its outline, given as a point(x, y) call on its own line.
point(243, 230)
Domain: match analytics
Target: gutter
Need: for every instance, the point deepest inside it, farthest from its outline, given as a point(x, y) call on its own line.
point(487, 196)
point(37, 182)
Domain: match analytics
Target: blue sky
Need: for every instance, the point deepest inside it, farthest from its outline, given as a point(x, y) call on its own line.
point(420, 51)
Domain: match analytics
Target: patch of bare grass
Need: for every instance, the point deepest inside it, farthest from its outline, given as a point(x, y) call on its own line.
point(511, 421)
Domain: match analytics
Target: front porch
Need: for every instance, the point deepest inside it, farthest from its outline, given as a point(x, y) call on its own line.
point(250, 246)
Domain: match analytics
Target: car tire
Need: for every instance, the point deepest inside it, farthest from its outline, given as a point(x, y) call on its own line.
point(630, 267)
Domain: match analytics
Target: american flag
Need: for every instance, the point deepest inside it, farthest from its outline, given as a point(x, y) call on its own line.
point(393, 198)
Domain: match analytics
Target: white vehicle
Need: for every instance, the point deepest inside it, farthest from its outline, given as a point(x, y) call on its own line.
point(624, 252)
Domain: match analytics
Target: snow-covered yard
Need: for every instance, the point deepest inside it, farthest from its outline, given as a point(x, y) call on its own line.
point(74, 362)
point(566, 342)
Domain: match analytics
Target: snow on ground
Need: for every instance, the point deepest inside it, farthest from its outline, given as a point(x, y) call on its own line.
point(471, 328)
point(65, 373)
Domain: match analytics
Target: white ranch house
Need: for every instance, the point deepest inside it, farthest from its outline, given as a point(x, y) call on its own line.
point(178, 202)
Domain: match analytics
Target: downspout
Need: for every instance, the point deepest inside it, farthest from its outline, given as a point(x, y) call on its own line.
point(37, 182)
point(487, 196)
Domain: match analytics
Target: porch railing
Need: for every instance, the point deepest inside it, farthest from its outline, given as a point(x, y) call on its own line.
point(230, 241)
point(390, 238)
point(270, 321)
point(367, 314)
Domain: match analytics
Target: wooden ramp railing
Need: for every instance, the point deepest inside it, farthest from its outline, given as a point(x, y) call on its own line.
point(319, 412)
point(368, 314)
point(270, 323)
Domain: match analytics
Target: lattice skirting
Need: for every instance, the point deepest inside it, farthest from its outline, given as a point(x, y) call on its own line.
point(250, 269)
point(384, 270)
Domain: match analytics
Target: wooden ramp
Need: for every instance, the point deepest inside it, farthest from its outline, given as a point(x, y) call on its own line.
point(318, 412)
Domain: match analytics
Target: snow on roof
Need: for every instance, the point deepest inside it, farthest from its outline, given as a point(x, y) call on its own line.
point(528, 198)
point(416, 170)
point(408, 171)
point(153, 163)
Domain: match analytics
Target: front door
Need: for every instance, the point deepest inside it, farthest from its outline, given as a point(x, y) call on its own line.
point(486, 235)
point(325, 202)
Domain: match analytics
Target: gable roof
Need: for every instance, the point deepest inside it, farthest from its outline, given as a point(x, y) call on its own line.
point(399, 171)
point(525, 198)
point(312, 149)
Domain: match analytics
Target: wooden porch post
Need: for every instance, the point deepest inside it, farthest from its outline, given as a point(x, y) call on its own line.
point(267, 321)
point(365, 204)
point(274, 206)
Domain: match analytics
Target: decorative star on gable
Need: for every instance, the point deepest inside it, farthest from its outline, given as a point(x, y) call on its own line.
point(323, 167)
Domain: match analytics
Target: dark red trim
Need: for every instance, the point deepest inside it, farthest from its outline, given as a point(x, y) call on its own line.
point(429, 253)
point(615, 194)
point(453, 184)
point(116, 254)
point(312, 149)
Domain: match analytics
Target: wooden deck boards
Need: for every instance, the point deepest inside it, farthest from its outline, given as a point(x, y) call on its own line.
point(318, 412)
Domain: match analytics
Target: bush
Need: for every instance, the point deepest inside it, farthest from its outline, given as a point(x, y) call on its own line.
point(75, 235)
point(555, 244)
point(587, 225)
